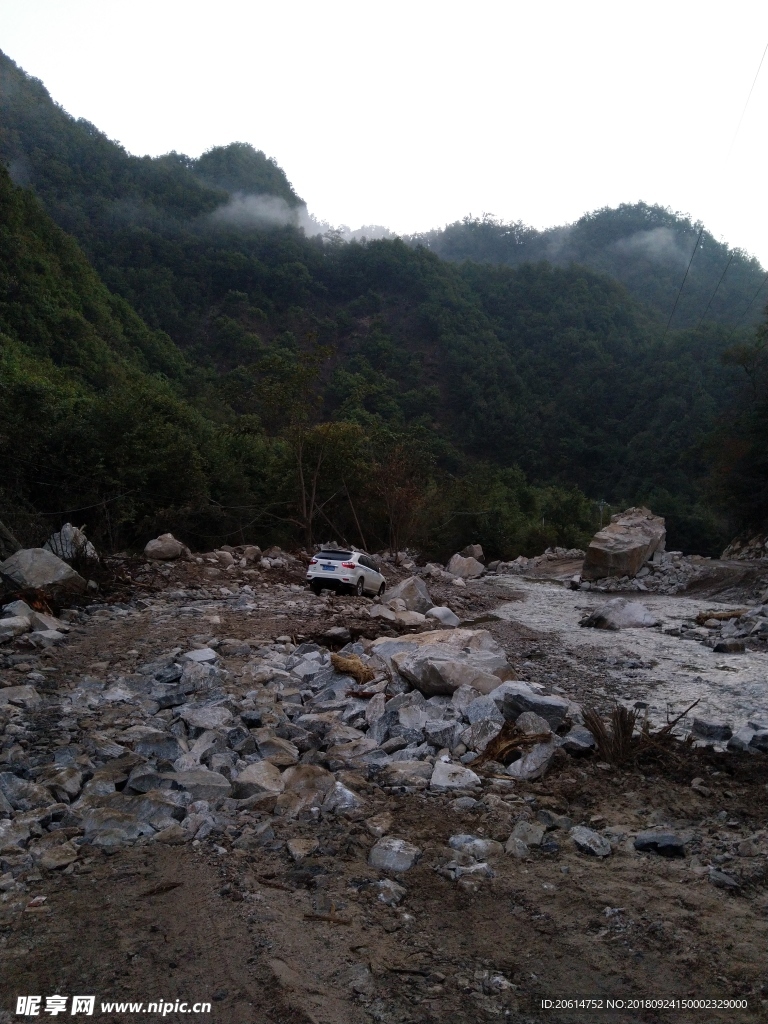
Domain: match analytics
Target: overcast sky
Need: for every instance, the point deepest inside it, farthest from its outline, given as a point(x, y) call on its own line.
point(415, 114)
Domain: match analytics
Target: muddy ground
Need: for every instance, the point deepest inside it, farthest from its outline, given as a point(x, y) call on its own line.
point(268, 940)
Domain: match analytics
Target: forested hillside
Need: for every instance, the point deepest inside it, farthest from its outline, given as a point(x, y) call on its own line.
point(305, 386)
point(646, 248)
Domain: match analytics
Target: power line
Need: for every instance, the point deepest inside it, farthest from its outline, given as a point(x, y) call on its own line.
point(749, 97)
point(714, 293)
point(727, 158)
point(680, 291)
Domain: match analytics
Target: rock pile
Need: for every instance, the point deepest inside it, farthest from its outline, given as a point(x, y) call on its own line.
point(747, 548)
point(38, 629)
point(668, 572)
point(175, 751)
point(525, 565)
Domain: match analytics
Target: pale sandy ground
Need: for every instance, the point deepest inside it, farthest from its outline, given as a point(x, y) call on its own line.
point(675, 672)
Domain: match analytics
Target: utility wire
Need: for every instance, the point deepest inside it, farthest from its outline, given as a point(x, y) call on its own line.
point(680, 291)
point(749, 97)
point(727, 158)
point(714, 293)
point(725, 162)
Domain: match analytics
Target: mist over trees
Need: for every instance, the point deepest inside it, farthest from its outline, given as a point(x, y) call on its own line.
point(193, 360)
point(647, 248)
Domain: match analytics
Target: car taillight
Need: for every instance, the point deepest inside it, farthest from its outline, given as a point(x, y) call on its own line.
point(348, 565)
point(313, 561)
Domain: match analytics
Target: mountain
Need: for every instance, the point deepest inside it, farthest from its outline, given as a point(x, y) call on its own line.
point(646, 248)
point(354, 388)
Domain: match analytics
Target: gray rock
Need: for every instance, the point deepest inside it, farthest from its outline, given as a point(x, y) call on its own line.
point(517, 848)
point(552, 821)
point(475, 846)
point(14, 626)
point(261, 777)
point(22, 795)
point(444, 615)
point(730, 646)
point(519, 698)
point(207, 718)
point(473, 551)
point(393, 855)
point(413, 591)
point(534, 762)
point(588, 841)
point(390, 893)
point(620, 613)
point(529, 832)
point(465, 568)
point(480, 734)
point(482, 709)
point(65, 781)
point(722, 880)
point(159, 745)
point(623, 547)
point(711, 730)
point(668, 844)
point(165, 548)
point(532, 724)
point(439, 662)
point(442, 733)
point(25, 696)
point(38, 569)
point(446, 776)
point(759, 741)
point(200, 656)
point(740, 740)
point(202, 784)
point(578, 740)
point(406, 773)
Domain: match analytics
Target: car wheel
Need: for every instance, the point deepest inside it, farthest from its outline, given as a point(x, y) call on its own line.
point(315, 587)
point(360, 588)
point(382, 588)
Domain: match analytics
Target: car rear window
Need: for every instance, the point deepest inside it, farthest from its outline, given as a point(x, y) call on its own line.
point(336, 556)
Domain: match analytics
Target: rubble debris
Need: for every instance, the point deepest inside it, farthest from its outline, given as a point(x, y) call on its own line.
point(747, 548)
point(625, 545)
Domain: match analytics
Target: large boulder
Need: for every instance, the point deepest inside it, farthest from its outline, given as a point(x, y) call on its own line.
point(474, 551)
point(625, 545)
point(440, 661)
point(619, 613)
point(465, 568)
point(413, 591)
point(38, 569)
point(166, 548)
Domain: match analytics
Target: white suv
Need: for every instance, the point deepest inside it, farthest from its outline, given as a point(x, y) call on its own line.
point(345, 570)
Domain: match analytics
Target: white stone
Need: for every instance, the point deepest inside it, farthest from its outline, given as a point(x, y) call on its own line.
point(396, 855)
point(452, 776)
